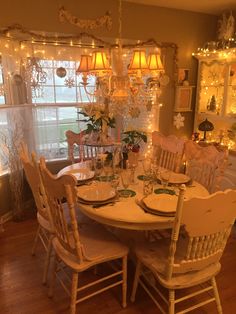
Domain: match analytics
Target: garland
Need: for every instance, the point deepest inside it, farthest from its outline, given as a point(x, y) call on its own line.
point(87, 24)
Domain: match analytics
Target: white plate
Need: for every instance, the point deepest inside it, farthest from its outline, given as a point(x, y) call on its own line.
point(177, 178)
point(161, 202)
point(81, 174)
point(100, 191)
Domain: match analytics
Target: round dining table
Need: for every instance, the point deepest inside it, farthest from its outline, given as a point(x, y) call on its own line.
point(126, 213)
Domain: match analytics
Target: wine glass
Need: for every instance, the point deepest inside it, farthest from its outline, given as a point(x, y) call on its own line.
point(107, 168)
point(98, 167)
point(165, 177)
point(147, 165)
point(115, 181)
point(125, 179)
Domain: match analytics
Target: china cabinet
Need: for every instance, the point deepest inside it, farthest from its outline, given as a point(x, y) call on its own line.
point(216, 101)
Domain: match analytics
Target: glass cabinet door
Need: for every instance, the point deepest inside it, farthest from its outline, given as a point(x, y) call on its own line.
point(211, 92)
point(231, 95)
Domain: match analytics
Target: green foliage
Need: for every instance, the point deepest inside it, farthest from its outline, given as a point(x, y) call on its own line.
point(96, 121)
point(134, 137)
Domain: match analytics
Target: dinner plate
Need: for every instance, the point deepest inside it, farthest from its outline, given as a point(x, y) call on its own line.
point(101, 191)
point(162, 203)
point(177, 178)
point(81, 174)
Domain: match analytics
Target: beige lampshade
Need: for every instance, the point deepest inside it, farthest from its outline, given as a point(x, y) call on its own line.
point(100, 63)
point(154, 62)
point(85, 64)
point(138, 61)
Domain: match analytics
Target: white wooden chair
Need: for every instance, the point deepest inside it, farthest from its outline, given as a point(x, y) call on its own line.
point(192, 260)
point(72, 140)
point(80, 248)
point(205, 165)
point(45, 230)
point(168, 151)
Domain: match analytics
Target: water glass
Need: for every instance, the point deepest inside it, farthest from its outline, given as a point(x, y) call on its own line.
point(115, 181)
point(125, 179)
point(147, 186)
point(165, 177)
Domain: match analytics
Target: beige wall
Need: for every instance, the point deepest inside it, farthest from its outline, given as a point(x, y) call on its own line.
point(187, 30)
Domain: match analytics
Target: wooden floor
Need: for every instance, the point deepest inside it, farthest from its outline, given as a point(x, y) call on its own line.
point(21, 290)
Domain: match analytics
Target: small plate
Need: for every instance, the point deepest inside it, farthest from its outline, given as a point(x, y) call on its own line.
point(164, 191)
point(100, 191)
point(127, 193)
point(81, 174)
point(142, 177)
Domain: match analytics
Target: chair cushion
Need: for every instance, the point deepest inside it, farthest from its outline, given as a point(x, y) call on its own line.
point(99, 246)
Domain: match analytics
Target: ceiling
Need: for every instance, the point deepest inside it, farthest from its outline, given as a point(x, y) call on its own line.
point(215, 7)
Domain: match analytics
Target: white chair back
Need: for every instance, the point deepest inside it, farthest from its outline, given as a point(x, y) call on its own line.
point(207, 223)
point(168, 151)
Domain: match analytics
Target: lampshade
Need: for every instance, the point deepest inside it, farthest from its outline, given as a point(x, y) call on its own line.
point(205, 126)
point(154, 62)
point(85, 64)
point(138, 61)
point(100, 64)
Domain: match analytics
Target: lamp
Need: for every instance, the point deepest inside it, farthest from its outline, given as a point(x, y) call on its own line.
point(205, 126)
point(117, 85)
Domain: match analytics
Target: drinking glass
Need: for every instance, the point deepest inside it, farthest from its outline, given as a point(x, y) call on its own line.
point(147, 186)
point(165, 177)
point(125, 179)
point(107, 168)
point(147, 165)
point(98, 167)
point(115, 181)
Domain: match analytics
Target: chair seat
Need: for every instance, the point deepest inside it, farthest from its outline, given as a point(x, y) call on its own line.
point(155, 256)
point(101, 246)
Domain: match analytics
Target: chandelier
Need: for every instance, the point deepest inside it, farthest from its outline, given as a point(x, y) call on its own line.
point(122, 82)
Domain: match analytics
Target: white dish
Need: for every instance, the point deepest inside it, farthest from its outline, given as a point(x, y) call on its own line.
point(100, 191)
point(177, 178)
point(161, 202)
point(81, 174)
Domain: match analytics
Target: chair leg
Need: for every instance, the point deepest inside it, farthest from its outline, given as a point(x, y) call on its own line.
point(171, 301)
point(136, 279)
point(124, 285)
point(47, 261)
point(36, 240)
point(217, 297)
point(53, 276)
point(74, 287)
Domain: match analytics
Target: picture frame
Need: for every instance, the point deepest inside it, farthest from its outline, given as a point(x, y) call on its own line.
point(183, 98)
point(183, 76)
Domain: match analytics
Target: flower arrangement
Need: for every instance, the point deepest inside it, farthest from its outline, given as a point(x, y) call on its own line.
point(98, 118)
point(133, 138)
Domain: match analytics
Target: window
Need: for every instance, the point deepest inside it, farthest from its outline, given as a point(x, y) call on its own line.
point(60, 89)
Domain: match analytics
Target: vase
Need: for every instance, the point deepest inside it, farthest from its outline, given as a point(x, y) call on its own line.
point(133, 158)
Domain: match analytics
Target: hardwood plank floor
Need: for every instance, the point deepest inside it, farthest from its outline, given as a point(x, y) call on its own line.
point(21, 290)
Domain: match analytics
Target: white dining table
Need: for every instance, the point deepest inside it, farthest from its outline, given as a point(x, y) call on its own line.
point(126, 213)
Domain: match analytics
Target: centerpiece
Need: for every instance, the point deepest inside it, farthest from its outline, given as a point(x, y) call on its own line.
point(98, 121)
point(132, 140)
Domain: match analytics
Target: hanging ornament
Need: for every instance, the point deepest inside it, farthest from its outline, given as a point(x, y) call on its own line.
point(134, 112)
point(179, 121)
point(149, 105)
point(35, 73)
point(61, 72)
point(2, 90)
point(70, 82)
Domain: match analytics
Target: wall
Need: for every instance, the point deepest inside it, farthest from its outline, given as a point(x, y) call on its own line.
point(188, 30)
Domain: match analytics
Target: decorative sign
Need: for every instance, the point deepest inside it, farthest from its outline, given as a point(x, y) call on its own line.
point(183, 98)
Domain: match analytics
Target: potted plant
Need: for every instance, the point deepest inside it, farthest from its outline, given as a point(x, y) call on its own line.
point(132, 140)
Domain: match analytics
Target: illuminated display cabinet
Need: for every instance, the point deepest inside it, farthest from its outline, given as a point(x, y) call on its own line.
point(216, 101)
point(216, 93)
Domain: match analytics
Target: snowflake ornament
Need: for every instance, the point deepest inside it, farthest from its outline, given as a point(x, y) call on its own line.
point(69, 82)
point(179, 121)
